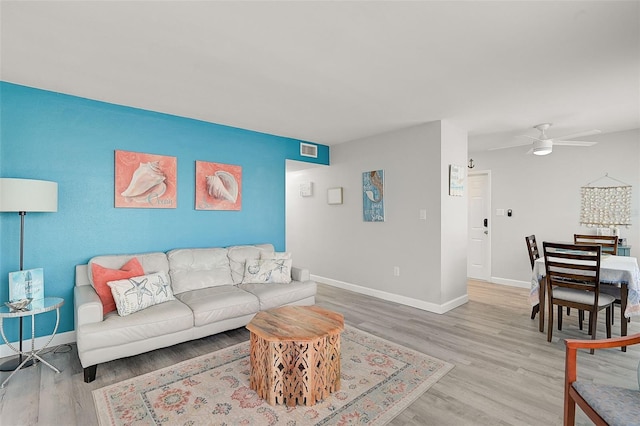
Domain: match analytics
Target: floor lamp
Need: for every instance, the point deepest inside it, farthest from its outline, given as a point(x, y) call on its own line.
point(22, 196)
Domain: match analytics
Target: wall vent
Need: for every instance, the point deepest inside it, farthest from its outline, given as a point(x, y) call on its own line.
point(308, 150)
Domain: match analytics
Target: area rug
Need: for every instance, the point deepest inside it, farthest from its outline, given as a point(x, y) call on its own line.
point(379, 379)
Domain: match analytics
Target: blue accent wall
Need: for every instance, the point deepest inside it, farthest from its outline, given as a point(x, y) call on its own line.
point(71, 140)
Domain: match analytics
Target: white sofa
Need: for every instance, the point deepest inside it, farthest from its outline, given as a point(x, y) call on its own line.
point(210, 297)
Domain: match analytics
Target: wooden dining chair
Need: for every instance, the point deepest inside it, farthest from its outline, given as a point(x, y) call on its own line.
point(603, 404)
point(609, 243)
point(534, 254)
point(573, 280)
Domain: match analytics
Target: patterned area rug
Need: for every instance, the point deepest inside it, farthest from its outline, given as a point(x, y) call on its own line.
point(379, 379)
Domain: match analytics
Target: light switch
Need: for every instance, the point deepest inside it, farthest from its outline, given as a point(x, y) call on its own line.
point(423, 214)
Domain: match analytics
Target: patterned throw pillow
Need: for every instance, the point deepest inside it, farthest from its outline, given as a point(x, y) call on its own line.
point(275, 255)
point(276, 271)
point(137, 293)
point(238, 256)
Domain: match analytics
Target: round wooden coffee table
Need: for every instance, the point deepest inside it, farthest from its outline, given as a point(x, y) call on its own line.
point(295, 354)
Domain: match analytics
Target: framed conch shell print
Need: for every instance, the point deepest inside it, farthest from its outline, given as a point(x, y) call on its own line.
point(218, 186)
point(145, 180)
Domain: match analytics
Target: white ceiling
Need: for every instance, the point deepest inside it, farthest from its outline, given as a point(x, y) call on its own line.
point(330, 72)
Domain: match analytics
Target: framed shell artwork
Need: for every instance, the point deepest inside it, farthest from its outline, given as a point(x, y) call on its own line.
point(145, 180)
point(218, 186)
point(373, 196)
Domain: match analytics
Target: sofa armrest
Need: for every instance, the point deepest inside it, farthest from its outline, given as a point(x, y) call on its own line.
point(82, 275)
point(87, 304)
point(300, 274)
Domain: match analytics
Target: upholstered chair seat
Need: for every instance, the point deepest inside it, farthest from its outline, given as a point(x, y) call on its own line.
point(617, 406)
point(603, 404)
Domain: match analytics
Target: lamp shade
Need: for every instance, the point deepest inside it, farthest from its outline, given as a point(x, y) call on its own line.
point(28, 195)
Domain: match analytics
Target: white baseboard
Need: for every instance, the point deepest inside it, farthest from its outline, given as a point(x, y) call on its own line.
point(58, 339)
point(409, 301)
point(511, 283)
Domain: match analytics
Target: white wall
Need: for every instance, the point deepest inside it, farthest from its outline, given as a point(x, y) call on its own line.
point(544, 194)
point(453, 223)
point(340, 248)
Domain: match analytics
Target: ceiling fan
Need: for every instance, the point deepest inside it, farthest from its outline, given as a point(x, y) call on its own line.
point(543, 145)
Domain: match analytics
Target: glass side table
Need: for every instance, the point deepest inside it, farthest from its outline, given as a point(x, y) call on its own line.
point(34, 308)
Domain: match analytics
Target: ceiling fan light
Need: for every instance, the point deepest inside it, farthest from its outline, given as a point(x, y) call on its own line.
point(542, 151)
point(543, 147)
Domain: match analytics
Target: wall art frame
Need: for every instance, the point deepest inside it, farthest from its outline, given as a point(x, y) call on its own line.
point(456, 180)
point(218, 186)
point(373, 196)
point(147, 181)
point(334, 195)
point(306, 189)
point(26, 284)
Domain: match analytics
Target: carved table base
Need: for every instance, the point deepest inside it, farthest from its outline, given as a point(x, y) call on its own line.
point(291, 370)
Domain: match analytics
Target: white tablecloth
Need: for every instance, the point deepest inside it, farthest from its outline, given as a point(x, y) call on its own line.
point(616, 270)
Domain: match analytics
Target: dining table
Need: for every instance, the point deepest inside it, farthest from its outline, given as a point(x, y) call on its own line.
point(620, 271)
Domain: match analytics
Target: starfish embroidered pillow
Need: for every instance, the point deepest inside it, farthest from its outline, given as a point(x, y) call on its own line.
point(263, 271)
point(137, 293)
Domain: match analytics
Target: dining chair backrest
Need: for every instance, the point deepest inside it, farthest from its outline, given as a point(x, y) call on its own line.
point(575, 266)
point(609, 243)
point(532, 248)
point(573, 280)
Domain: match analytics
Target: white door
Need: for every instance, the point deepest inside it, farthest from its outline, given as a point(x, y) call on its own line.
point(479, 247)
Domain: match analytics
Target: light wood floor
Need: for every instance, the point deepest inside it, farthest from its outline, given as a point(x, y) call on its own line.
point(505, 371)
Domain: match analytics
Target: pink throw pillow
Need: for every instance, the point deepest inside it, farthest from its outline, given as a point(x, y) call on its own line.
point(102, 275)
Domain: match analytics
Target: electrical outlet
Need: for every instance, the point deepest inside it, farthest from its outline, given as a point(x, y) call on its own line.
point(396, 271)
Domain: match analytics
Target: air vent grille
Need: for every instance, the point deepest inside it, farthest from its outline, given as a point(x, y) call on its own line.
point(308, 150)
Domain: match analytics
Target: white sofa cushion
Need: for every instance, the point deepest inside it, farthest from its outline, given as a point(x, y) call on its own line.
point(238, 256)
point(273, 295)
point(151, 262)
point(217, 303)
point(114, 330)
point(193, 269)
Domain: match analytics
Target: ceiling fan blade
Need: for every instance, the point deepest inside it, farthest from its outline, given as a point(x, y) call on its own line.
point(530, 151)
point(580, 134)
point(531, 137)
point(509, 146)
point(574, 143)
